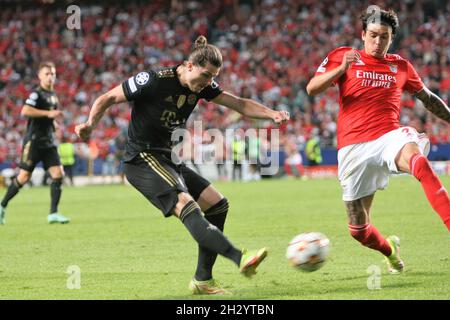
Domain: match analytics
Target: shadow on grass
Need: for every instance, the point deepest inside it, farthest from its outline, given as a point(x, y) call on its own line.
point(309, 292)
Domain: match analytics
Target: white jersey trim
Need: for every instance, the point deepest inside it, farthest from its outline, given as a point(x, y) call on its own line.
point(132, 85)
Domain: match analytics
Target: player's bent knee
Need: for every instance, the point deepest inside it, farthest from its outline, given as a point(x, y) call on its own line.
point(183, 200)
point(57, 175)
point(22, 178)
point(403, 158)
point(56, 172)
point(189, 208)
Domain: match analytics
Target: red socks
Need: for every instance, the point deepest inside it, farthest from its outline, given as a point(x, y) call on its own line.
point(370, 237)
point(288, 169)
point(300, 169)
point(435, 192)
point(438, 197)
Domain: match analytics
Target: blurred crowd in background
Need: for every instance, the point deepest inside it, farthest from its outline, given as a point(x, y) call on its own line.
point(271, 49)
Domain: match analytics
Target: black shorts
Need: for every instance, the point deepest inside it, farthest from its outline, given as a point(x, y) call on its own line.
point(160, 180)
point(32, 154)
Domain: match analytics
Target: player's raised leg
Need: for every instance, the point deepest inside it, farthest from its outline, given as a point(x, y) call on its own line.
point(411, 160)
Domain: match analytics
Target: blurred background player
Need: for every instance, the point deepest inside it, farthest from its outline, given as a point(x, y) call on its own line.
point(66, 150)
point(38, 144)
point(371, 142)
point(238, 152)
point(293, 165)
point(162, 102)
point(312, 149)
point(221, 157)
point(253, 148)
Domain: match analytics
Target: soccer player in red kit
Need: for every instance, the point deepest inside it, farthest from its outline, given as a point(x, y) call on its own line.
point(371, 142)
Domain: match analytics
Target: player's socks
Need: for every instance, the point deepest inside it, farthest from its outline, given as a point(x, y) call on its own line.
point(2, 215)
point(288, 169)
point(216, 215)
point(300, 169)
point(434, 190)
point(370, 237)
point(206, 234)
point(13, 189)
point(55, 194)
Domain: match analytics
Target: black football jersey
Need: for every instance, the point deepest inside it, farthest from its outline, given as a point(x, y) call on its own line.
point(41, 129)
point(160, 106)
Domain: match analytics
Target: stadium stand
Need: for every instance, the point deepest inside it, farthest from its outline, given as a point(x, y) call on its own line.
point(271, 49)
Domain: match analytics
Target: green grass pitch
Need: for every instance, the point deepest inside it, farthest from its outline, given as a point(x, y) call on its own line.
point(125, 249)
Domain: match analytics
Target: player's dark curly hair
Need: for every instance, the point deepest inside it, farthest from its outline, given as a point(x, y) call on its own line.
point(204, 53)
point(388, 18)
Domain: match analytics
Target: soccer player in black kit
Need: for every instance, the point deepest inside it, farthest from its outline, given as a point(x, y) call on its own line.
point(38, 144)
point(162, 102)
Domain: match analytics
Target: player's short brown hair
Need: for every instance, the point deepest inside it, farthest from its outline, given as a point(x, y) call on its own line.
point(204, 53)
point(46, 64)
point(388, 18)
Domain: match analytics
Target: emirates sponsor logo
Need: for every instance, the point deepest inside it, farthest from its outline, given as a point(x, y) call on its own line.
point(375, 79)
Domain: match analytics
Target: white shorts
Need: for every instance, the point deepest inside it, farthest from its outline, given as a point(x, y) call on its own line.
point(294, 159)
point(364, 167)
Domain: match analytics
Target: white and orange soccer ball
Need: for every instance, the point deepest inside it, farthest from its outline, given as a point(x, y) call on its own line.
point(308, 251)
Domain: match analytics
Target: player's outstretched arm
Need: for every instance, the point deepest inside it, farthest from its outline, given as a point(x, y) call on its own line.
point(101, 104)
point(434, 104)
point(320, 83)
point(250, 108)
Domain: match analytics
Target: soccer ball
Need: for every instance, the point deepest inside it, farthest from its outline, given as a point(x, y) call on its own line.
point(308, 251)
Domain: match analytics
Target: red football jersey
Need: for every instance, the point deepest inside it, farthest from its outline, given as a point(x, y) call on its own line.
point(370, 93)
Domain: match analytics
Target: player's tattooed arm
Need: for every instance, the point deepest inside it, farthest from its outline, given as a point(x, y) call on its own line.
point(434, 104)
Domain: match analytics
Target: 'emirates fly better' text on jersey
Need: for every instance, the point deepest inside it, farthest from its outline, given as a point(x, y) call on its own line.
point(370, 94)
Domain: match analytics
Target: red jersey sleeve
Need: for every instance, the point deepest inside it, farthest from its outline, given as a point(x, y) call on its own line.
point(413, 82)
point(332, 61)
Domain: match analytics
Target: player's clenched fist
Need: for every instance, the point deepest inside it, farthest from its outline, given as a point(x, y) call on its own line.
point(83, 131)
point(350, 57)
point(281, 116)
